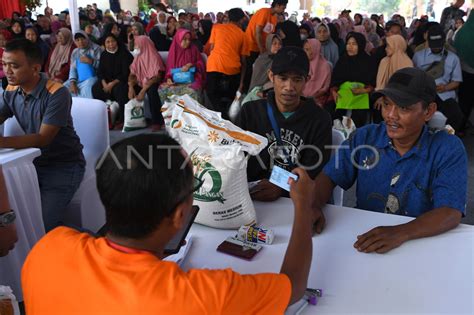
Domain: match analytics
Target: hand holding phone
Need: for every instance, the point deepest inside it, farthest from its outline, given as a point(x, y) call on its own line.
point(178, 240)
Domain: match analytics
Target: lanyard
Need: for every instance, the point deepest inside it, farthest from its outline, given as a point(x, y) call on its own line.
point(276, 130)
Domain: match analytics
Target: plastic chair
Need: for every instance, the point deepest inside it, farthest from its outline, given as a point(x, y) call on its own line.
point(91, 123)
point(338, 193)
point(11, 128)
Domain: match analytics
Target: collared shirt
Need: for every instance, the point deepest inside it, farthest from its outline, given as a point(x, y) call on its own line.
point(431, 175)
point(452, 69)
point(49, 103)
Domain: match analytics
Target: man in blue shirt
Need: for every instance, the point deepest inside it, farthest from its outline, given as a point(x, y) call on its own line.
point(43, 109)
point(447, 78)
point(401, 167)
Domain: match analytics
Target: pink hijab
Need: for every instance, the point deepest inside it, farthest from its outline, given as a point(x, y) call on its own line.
point(361, 29)
point(179, 57)
point(148, 63)
point(319, 72)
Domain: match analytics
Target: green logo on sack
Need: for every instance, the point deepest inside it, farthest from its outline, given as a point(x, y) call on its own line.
point(137, 112)
point(207, 173)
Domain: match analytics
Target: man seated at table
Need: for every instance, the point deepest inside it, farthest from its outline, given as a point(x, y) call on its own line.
point(8, 236)
point(401, 167)
point(303, 128)
point(43, 109)
point(147, 196)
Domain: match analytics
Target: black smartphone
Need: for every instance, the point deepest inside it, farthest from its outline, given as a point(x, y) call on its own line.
point(174, 245)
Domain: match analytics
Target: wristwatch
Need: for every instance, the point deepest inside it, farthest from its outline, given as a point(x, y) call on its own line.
point(7, 218)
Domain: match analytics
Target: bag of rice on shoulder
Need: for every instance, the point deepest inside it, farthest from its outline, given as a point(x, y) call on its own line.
point(216, 148)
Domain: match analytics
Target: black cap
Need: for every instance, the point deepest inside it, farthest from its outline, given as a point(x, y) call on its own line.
point(436, 36)
point(290, 59)
point(409, 86)
point(346, 11)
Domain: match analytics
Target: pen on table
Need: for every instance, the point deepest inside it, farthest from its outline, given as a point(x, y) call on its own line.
point(302, 307)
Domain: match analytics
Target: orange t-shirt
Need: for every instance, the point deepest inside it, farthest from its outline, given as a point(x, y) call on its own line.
point(265, 19)
point(229, 45)
point(68, 272)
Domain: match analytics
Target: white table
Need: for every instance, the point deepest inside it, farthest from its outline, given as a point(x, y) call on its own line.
point(425, 276)
point(24, 196)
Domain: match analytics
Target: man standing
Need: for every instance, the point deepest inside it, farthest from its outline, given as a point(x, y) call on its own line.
point(124, 272)
point(401, 167)
point(262, 23)
point(43, 110)
point(226, 63)
point(444, 66)
point(450, 14)
point(298, 130)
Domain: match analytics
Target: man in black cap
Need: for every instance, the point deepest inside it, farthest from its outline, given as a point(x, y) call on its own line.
point(401, 167)
point(298, 130)
point(444, 66)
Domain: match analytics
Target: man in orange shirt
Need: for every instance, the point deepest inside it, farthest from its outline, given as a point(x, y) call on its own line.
point(262, 23)
point(148, 196)
point(226, 63)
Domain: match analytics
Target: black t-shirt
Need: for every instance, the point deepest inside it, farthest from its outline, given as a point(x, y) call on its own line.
point(306, 135)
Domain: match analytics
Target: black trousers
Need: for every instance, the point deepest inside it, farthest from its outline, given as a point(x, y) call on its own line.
point(119, 94)
point(155, 103)
point(466, 95)
point(450, 108)
point(221, 89)
point(250, 60)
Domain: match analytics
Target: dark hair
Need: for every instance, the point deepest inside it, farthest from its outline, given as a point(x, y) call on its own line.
point(360, 40)
point(182, 14)
point(279, 2)
point(141, 180)
point(79, 35)
point(391, 24)
point(236, 14)
point(32, 52)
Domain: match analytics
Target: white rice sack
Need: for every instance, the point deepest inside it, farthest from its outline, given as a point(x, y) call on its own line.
point(216, 148)
point(134, 116)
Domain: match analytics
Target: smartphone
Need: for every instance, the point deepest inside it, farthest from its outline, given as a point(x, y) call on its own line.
point(174, 245)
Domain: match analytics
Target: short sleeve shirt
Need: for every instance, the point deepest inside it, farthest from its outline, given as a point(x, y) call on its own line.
point(431, 175)
point(49, 103)
point(267, 21)
point(229, 45)
point(68, 272)
point(452, 69)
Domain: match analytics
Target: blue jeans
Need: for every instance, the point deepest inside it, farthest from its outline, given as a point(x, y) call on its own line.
point(58, 184)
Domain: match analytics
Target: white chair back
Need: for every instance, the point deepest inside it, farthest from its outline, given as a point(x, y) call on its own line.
point(338, 193)
point(12, 128)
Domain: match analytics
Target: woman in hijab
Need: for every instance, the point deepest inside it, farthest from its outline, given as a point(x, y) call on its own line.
point(17, 29)
point(172, 26)
point(137, 30)
point(113, 72)
point(32, 35)
point(329, 49)
point(186, 56)
point(55, 27)
point(372, 36)
point(341, 45)
point(203, 34)
point(353, 79)
point(84, 64)
point(361, 29)
point(58, 65)
point(396, 59)
point(317, 85)
point(465, 50)
point(152, 22)
point(289, 34)
point(260, 83)
point(161, 22)
point(146, 73)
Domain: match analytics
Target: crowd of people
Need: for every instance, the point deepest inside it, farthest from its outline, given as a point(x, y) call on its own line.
point(231, 51)
point(297, 77)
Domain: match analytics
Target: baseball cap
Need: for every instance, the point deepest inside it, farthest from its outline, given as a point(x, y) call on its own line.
point(436, 36)
point(409, 86)
point(290, 59)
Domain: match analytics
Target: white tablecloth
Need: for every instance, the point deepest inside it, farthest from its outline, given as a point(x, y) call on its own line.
point(24, 196)
point(425, 276)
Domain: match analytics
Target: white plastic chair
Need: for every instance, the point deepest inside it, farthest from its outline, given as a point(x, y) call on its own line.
point(91, 123)
point(11, 128)
point(338, 193)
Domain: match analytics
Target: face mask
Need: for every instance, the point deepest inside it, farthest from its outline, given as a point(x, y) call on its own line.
point(112, 51)
point(135, 52)
point(303, 37)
